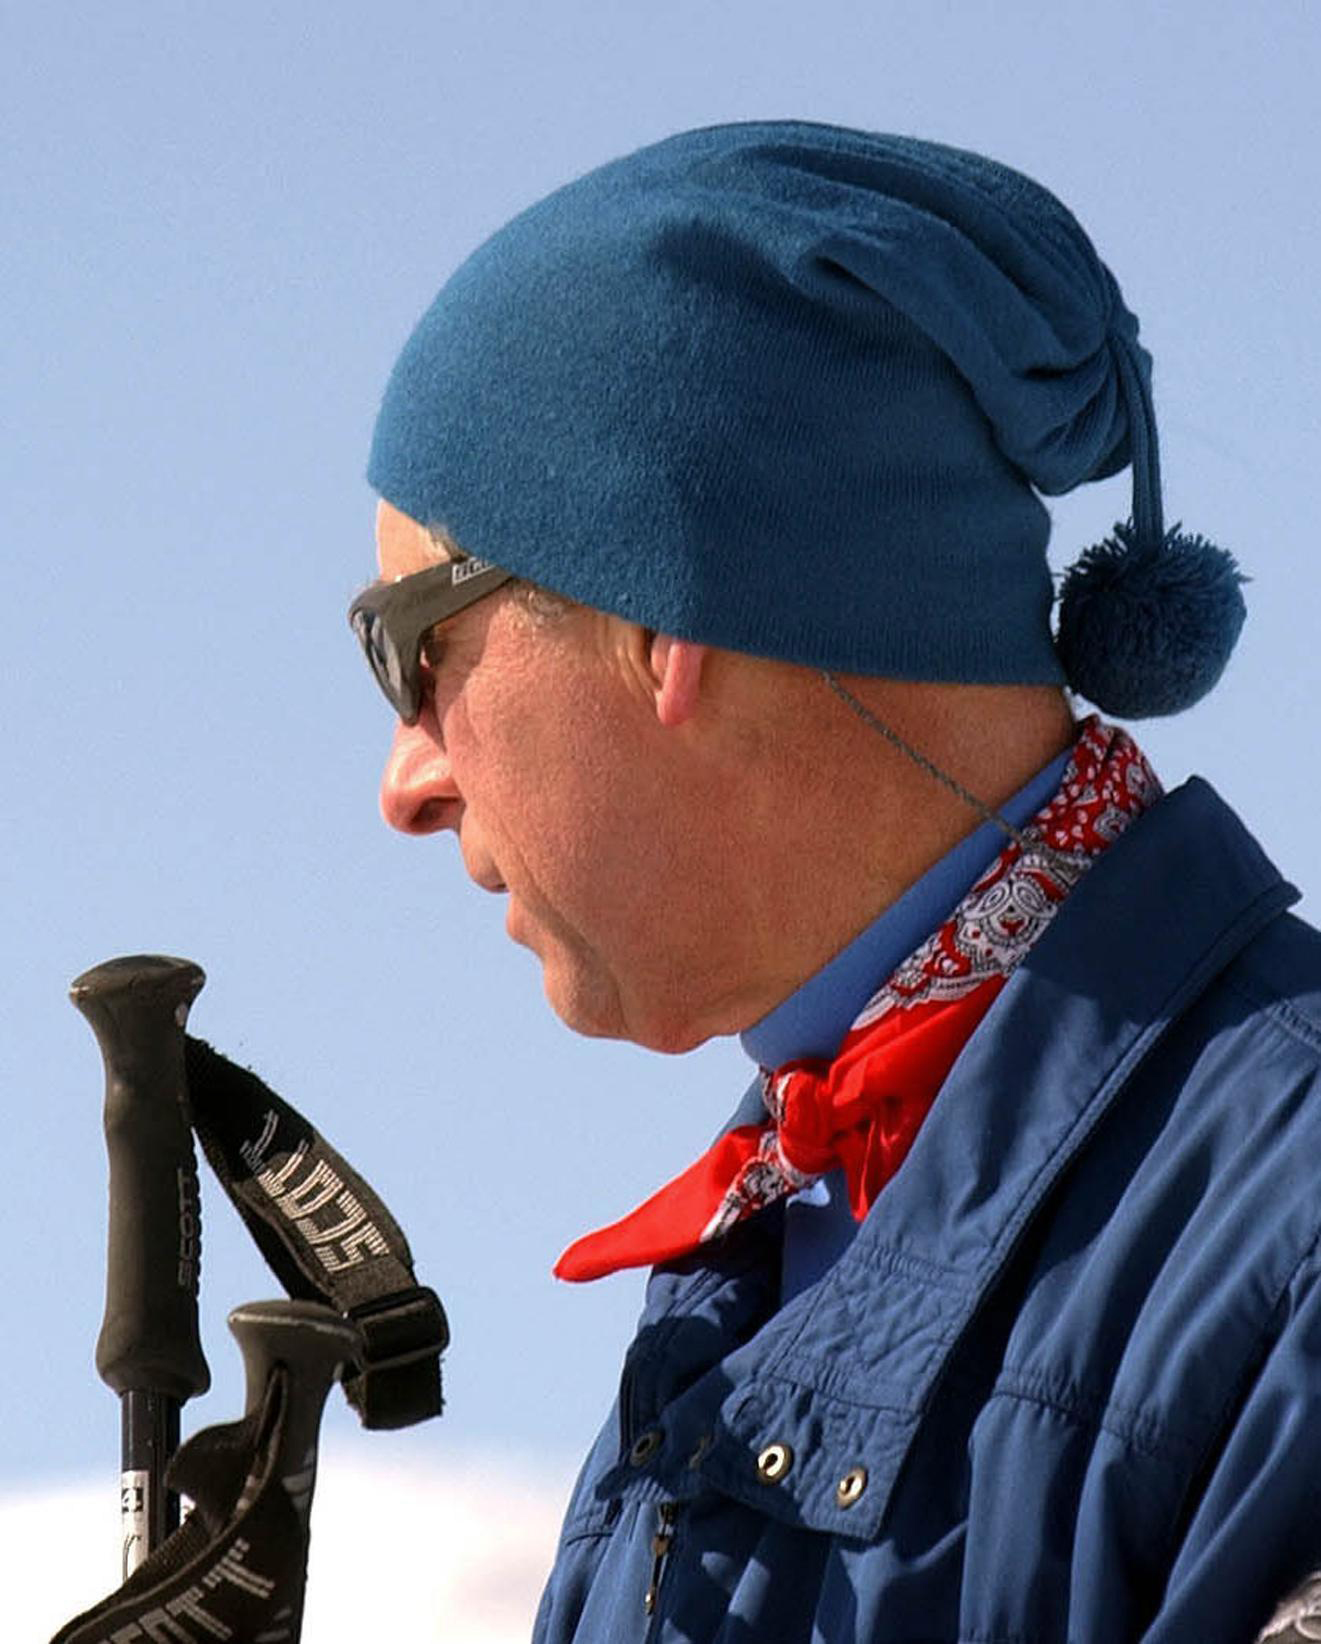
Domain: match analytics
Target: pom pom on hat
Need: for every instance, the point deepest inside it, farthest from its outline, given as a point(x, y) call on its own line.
point(1147, 618)
point(1147, 628)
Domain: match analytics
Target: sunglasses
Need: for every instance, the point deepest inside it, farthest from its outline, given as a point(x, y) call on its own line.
point(391, 619)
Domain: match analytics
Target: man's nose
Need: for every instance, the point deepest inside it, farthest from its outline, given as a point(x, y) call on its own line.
point(418, 791)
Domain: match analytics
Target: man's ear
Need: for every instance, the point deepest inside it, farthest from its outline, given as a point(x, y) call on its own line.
point(676, 668)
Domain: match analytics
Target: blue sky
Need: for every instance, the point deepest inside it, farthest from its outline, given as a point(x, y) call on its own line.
point(217, 224)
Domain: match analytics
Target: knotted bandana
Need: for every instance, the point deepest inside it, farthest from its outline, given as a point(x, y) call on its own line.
point(861, 1111)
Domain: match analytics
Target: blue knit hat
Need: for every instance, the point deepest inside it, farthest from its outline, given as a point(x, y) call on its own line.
point(794, 390)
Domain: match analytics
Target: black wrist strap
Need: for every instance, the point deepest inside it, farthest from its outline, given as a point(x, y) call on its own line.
point(325, 1234)
point(237, 1567)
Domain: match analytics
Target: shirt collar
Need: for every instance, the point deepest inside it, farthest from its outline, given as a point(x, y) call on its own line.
point(813, 1020)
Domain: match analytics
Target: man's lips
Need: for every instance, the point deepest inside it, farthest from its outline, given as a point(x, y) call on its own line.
point(482, 871)
point(487, 875)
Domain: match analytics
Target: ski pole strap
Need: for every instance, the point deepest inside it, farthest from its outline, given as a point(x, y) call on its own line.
point(237, 1568)
point(324, 1233)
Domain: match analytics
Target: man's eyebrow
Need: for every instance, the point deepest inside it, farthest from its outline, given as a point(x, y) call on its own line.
point(445, 544)
point(441, 541)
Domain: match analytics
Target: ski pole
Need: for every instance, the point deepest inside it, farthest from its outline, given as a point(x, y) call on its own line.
point(148, 1350)
point(314, 1344)
point(237, 1568)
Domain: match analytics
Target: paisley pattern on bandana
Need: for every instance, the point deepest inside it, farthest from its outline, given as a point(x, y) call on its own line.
point(1008, 909)
point(862, 1111)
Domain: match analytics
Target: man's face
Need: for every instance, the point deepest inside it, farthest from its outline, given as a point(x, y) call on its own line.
point(539, 746)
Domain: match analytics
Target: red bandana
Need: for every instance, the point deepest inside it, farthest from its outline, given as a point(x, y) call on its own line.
point(862, 1111)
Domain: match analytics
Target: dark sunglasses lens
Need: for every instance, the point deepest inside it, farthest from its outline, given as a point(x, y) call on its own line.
point(386, 664)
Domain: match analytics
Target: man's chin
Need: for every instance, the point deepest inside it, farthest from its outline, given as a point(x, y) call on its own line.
point(581, 1002)
point(591, 1010)
point(584, 996)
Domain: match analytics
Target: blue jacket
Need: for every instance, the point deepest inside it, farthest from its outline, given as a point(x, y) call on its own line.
point(1065, 1385)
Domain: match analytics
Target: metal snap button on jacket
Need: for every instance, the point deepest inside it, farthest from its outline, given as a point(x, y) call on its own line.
point(851, 1486)
point(645, 1446)
point(774, 1462)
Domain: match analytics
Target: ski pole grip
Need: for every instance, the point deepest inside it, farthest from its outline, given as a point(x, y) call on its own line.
point(314, 1344)
point(137, 1007)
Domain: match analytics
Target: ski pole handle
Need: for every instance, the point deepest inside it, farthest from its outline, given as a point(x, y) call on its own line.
point(314, 1344)
point(237, 1569)
point(148, 1351)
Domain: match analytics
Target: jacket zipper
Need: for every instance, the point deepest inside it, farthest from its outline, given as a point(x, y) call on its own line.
point(661, 1542)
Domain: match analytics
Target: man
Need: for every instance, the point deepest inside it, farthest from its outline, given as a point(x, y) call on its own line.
point(715, 613)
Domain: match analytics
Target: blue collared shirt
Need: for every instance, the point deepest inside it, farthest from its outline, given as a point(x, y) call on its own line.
point(813, 1020)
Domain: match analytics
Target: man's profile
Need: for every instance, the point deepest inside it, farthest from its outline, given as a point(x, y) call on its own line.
point(715, 614)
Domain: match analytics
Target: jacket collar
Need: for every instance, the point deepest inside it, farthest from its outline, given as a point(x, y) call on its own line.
point(844, 1382)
